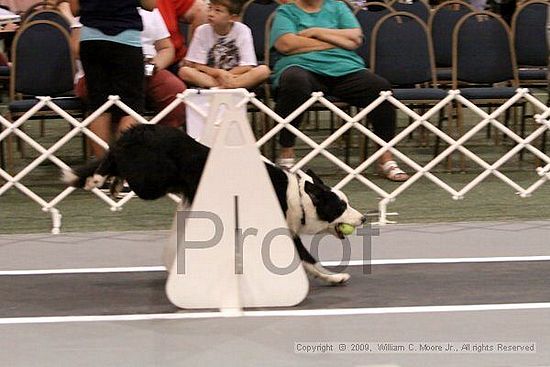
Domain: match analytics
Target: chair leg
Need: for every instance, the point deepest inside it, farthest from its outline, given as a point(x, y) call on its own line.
point(523, 116)
point(10, 154)
point(363, 148)
point(543, 142)
point(20, 143)
point(460, 128)
point(347, 137)
point(42, 128)
point(2, 156)
point(488, 131)
point(450, 126)
point(317, 120)
point(440, 127)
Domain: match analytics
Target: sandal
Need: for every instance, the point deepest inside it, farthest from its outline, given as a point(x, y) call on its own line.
point(392, 172)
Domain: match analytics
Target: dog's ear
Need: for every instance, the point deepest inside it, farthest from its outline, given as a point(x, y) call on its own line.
point(315, 178)
point(314, 191)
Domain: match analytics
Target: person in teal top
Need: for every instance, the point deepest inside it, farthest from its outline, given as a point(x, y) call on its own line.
point(331, 61)
point(315, 42)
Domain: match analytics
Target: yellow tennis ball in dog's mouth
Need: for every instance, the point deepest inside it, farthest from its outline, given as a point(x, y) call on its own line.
point(346, 229)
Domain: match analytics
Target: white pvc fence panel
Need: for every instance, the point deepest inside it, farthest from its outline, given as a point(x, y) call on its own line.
point(349, 122)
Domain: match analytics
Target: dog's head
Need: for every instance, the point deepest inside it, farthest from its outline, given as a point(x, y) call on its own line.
point(326, 208)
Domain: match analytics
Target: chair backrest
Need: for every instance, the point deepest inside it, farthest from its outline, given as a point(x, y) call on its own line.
point(42, 60)
point(529, 33)
point(482, 50)
point(185, 29)
point(441, 24)
point(40, 5)
point(401, 50)
point(368, 17)
point(420, 8)
point(271, 55)
point(255, 14)
point(49, 14)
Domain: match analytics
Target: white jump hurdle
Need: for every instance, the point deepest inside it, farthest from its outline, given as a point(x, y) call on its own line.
point(247, 259)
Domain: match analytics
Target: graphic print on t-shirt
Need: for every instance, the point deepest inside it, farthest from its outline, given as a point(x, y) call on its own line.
point(224, 54)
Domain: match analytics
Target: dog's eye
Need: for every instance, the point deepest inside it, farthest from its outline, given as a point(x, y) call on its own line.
point(343, 205)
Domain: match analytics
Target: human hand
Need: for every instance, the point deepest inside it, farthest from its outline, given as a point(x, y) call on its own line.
point(310, 32)
point(10, 27)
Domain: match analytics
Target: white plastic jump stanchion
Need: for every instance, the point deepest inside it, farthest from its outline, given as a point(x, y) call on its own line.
point(247, 259)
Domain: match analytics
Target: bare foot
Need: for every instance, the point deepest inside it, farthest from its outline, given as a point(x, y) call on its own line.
point(227, 80)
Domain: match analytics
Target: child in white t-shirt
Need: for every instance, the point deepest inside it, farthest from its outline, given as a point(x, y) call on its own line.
point(221, 53)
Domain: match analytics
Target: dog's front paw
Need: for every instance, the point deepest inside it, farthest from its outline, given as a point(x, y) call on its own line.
point(318, 271)
point(94, 181)
point(335, 279)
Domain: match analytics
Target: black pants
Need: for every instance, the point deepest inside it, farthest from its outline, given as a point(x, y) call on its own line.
point(113, 68)
point(358, 89)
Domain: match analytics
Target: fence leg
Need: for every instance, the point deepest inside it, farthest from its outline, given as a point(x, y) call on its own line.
point(56, 220)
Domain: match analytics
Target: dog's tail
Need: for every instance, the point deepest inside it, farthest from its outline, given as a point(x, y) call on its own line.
point(77, 177)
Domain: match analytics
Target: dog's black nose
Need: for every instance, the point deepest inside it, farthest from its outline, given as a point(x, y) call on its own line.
point(363, 219)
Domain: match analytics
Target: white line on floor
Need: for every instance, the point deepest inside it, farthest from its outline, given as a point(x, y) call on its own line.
point(275, 313)
point(439, 260)
point(132, 269)
point(137, 269)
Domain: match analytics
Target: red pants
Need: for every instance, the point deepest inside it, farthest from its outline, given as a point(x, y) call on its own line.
point(160, 90)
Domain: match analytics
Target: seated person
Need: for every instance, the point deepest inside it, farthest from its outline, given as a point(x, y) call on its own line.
point(174, 12)
point(221, 53)
point(316, 40)
point(9, 23)
point(161, 87)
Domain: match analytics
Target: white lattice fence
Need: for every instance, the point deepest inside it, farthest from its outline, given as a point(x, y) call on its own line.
point(349, 122)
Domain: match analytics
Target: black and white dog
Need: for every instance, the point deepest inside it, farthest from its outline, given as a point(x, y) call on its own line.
point(156, 160)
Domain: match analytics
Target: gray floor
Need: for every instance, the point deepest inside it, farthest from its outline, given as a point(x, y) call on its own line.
point(391, 304)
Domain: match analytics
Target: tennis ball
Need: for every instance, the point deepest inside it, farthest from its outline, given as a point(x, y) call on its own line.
point(346, 229)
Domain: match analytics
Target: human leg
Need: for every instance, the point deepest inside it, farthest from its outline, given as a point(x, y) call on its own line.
point(128, 83)
point(295, 87)
point(249, 79)
point(360, 89)
point(161, 89)
point(193, 76)
point(101, 126)
point(97, 84)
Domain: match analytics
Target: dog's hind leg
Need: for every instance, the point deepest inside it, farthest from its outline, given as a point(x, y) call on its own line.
point(315, 269)
point(77, 177)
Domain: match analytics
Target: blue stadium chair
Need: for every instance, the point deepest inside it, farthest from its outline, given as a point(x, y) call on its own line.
point(40, 5)
point(530, 45)
point(42, 65)
point(255, 14)
point(368, 17)
point(484, 66)
point(402, 53)
point(420, 8)
point(48, 14)
point(441, 24)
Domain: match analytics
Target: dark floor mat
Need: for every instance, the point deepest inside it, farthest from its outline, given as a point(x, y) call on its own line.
point(385, 286)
